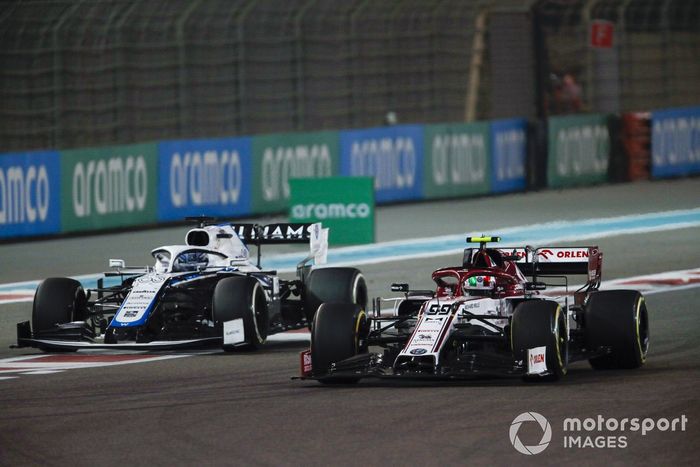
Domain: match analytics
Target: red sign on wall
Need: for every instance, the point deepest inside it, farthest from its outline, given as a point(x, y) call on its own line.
point(601, 34)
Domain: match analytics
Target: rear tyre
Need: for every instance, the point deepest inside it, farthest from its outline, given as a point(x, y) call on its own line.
point(541, 323)
point(241, 298)
point(339, 332)
point(618, 320)
point(345, 285)
point(58, 300)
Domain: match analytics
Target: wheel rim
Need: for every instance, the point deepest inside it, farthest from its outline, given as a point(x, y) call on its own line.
point(560, 337)
point(259, 314)
point(642, 326)
point(361, 318)
point(359, 291)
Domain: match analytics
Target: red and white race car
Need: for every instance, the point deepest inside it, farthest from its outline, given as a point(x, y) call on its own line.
point(492, 315)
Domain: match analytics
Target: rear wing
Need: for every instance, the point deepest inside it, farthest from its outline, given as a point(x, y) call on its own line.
point(285, 233)
point(544, 261)
point(274, 234)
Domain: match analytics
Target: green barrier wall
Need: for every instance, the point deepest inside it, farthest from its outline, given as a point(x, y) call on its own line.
point(344, 204)
point(109, 187)
point(457, 160)
point(578, 150)
point(277, 158)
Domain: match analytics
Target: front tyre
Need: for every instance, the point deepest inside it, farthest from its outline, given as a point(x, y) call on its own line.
point(345, 285)
point(541, 323)
point(618, 321)
point(57, 300)
point(241, 298)
point(339, 331)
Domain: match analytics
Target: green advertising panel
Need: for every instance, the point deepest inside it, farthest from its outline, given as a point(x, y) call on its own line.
point(457, 160)
point(279, 157)
point(344, 204)
point(108, 187)
point(579, 150)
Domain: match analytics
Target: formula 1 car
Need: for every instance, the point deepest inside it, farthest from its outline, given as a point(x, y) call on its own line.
point(491, 316)
point(204, 293)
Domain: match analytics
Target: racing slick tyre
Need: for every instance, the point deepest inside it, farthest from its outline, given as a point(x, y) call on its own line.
point(58, 300)
point(541, 323)
point(241, 298)
point(345, 285)
point(339, 331)
point(618, 320)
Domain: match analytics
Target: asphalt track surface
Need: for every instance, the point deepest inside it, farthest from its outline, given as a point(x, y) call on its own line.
point(222, 409)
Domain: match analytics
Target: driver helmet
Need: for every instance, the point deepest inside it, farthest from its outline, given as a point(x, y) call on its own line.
point(473, 286)
point(190, 261)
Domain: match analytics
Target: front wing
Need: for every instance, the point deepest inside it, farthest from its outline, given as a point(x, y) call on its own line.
point(49, 345)
point(78, 341)
point(472, 365)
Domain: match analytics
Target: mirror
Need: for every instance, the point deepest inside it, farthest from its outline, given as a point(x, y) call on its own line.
point(117, 263)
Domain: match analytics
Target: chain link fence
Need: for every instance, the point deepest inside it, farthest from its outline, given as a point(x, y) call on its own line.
point(653, 61)
point(77, 73)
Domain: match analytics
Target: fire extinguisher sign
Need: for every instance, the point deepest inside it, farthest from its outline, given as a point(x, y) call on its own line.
point(601, 36)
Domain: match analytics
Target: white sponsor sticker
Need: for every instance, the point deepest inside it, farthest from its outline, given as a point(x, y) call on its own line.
point(536, 360)
point(563, 255)
point(142, 295)
point(233, 332)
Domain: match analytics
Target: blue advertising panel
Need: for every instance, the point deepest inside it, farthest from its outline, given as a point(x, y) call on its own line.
point(209, 177)
point(675, 142)
point(30, 194)
point(509, 155)
point(392, 155)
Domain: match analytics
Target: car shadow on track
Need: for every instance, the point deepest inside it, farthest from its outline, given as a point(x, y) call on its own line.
point(268, 348)
point(577, 376)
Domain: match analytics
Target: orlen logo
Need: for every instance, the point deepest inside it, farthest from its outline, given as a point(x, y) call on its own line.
point(536, 358)
point(545, 253)
point(563, 254)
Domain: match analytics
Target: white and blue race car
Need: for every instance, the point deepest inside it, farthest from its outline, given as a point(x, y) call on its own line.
point(207, 292)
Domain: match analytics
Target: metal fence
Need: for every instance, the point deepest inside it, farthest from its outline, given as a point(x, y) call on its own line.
point(654, 61)
point(77, 73)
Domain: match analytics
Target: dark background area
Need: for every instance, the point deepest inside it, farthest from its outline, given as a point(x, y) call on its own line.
point(102, 72)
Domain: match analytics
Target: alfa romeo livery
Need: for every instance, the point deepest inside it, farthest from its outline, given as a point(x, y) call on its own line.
point(492, 315)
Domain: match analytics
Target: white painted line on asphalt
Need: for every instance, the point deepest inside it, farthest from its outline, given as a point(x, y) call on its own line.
point(648, 284)
point(290, 337)
point(672, 289)
point(42, 372)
